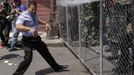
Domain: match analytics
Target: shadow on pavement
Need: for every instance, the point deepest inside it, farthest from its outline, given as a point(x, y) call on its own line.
point(10, 56)
point(47, 71)
point(44, 71)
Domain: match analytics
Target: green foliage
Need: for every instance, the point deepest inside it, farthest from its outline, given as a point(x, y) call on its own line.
point(90, 24)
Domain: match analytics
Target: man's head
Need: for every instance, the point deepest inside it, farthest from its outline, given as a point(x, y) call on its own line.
point(17, 2)
point(32, 7)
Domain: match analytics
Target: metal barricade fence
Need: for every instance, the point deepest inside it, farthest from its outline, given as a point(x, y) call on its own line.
point(99, 33)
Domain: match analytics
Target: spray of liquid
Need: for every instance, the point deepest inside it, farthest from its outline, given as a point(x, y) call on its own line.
point(73, 2)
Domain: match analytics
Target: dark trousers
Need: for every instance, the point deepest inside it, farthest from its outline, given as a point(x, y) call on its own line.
point(1, 34)
point(36, 43)
point(4, 33)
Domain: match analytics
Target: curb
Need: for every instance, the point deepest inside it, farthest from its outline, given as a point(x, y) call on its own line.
point(54, 42)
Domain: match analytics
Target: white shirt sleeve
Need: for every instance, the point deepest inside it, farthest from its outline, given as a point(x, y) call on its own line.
point(20, 20)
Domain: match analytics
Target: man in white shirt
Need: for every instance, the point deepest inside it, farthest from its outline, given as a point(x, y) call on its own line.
point(27, 23)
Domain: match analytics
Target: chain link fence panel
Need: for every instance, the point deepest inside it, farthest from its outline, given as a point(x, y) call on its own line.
point(80, 28)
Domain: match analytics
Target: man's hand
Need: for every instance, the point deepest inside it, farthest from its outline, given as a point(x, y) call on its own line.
point(34, 32)
point(48, 28)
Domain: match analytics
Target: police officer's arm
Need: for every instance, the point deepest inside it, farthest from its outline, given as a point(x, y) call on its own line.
point(23, 28)
point(20, 26)
point(26, 29)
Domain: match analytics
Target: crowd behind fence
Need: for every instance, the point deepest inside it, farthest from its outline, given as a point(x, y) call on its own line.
point(79, 27)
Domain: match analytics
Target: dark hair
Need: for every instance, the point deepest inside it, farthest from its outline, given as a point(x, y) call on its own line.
point(16, 0)
point(31, 3)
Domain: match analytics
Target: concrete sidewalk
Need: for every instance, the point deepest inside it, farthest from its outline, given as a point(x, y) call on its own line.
point(39, 66)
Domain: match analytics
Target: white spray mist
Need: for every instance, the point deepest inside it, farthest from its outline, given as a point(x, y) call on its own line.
point(73, 2)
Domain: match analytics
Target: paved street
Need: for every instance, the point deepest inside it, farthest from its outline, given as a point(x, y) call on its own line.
point(40, 66)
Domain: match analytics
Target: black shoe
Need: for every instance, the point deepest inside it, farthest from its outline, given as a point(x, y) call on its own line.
point(12, 49)
point(61, 68)
point(7, 46)
point(1, 58)
point(17, 74)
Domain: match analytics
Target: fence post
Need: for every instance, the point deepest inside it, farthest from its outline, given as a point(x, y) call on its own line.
point(80, 46)
point(101, 37)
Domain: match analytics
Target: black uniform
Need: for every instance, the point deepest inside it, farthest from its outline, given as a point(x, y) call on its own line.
point(3, 20)
point(7, 23)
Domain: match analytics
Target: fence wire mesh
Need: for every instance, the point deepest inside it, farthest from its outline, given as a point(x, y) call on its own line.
point(79, 25)
point(118, 31)
point(62, 22)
